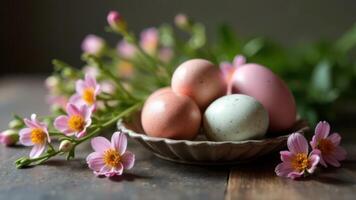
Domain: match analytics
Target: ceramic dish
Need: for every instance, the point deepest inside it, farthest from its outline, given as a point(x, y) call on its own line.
point(203, 152)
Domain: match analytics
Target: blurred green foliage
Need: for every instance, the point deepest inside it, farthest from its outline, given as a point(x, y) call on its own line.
point(319, 74)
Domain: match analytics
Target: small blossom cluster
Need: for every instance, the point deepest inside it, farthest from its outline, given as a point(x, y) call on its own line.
point(79, 110)
point(298, 162)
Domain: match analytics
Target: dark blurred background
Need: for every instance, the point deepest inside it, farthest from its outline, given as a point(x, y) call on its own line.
point(33, 32)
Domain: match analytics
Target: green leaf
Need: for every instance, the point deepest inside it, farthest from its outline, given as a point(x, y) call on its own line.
point(321, 77)
point(198, 38)
point(166, 35)
point(253, 46)
point(347, 41)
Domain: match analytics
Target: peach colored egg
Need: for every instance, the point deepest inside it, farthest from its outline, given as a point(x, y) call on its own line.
point(159, 92)
point(171, 115)
point(262, 84)
point(199, 79)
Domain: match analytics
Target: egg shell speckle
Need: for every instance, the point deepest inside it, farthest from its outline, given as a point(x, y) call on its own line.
point(234, 118)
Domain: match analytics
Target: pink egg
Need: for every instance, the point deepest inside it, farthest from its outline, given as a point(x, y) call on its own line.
point(199, 79)
point(262, 84)
point(171, 115)
point(159, 92)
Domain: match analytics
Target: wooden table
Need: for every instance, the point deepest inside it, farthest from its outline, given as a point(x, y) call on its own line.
point(153, 178)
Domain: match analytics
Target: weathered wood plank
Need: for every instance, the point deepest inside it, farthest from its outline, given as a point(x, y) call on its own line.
point(258, 180)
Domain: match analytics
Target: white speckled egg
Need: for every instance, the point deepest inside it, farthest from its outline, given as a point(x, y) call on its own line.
point(235, 117)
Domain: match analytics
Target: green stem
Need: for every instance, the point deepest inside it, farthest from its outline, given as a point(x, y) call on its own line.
point(109, 123)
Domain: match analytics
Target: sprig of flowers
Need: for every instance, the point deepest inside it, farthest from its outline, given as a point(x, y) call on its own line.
point(298, 162)
point(84, 108)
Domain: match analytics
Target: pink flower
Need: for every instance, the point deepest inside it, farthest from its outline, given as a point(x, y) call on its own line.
point(116, 21)
point(86, 92)
point(331, 152)
point(77, 120)
point(60, 101)
point(91, 71)
point(110, 159)
point(296, 161)
point(126, 50)
point(165, 54)
point(93, 44)
point(228, 69)
point(181, 20)
point(36, 135)
point(149, 40)
point(9, 137)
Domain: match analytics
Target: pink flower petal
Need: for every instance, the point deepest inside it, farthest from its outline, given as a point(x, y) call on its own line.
point(61, 124)
point(128, 160)
point(314, 159)
point(322, 130)
point(297, 143)
point(294, 175)
point(239, 60)
point(37, 150)
point(118, 170)
point(339, 153)
point(331, 160)
point(76, 99)
point(283, 169)
point(73, 109)
point(30, 123)
point(314, 142)
point(286, 156)
point(95, 161)
point(81, 134)
point(322, 162)
point(100, 144)
point(119, 142)
point(90, 81)
point(25, 136)
point(335, 138)
point(103, 171)
point(80, 86)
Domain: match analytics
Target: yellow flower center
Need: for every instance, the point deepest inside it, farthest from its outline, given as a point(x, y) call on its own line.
point(76, 123)
point(88, 96)
point(325, 146)
point(112, 158)
point(300, 162)
point(38, 136)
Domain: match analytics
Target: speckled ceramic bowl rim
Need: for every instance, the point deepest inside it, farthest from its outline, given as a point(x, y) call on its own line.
point(121, 126)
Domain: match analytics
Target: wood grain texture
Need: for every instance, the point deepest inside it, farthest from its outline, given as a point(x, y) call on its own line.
point(151, 177)
point(258, 180)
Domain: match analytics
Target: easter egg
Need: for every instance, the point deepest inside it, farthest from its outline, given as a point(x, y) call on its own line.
point(235, 117)
point(159, 92)
point(262, 84)
point(199, 79)
point(171, 115)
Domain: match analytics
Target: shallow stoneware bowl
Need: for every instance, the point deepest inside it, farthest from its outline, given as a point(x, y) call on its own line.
point(204, 152)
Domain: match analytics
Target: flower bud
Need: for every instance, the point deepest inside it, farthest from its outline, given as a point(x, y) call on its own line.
point(15, 124)
point(52, 82)
point(117, 22)
point(182, 21)
point(93, 44)
point(65, 146)
point(9, 137)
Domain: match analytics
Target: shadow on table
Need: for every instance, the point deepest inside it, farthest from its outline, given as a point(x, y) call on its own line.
point(343, 176)
point(75, 164)
point(127, 177)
